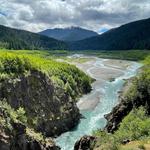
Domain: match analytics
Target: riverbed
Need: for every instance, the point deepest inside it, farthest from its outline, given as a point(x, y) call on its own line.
point(110, 76)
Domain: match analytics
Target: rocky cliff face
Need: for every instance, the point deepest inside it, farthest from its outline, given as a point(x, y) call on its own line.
point(13, 135)
point(21, 141)
point(85, 143)
point(49, 109)
point(119, 111)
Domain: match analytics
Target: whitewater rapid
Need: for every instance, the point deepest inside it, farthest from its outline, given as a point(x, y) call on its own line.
point(106, 94)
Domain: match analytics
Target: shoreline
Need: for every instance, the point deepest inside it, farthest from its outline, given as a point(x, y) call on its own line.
point(104, 71)
point(120, 110)
point(115, 116)
point(101, 100)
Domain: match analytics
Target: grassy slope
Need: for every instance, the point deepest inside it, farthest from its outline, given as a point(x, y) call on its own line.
point(134, 127)
point(143, 143)
point(15, 63)
point(67, 76)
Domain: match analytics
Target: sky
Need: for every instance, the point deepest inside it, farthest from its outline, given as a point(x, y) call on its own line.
point(97, 15)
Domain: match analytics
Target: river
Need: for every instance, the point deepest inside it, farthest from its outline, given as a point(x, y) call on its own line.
point(109, 75)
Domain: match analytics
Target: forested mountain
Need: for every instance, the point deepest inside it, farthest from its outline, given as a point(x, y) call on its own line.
point(69, 34)
point(135, 35)
point(20, 39)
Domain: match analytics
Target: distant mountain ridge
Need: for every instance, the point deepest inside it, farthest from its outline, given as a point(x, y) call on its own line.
point(134, 35)
point(20, 39)
point(69, 34)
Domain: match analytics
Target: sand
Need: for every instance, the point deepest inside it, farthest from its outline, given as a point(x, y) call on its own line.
point(103, 70)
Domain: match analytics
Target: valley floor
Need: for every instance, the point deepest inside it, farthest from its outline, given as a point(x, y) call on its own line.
point(109, 75)
point(103, 70)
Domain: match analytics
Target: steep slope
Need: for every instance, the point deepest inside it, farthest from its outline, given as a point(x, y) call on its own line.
point(46, 89)
point(69, 34)
point(20, 39)
point(15, 134)
point(135, 35)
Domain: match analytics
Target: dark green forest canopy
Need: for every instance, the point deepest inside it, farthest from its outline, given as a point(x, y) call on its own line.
point(134, 35)
point(130, 36)
point(20, 39)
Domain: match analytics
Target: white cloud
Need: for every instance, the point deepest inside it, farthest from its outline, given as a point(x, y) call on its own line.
point(36, 15)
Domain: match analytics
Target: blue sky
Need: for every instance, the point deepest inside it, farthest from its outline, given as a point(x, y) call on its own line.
point(3, 14)
point(102, 30)
point(97, 15)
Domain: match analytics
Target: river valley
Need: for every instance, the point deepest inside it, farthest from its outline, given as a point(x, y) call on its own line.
point(110, 76)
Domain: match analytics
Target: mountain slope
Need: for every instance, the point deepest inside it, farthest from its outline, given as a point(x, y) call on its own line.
point(69, 34)
point(135, 35)
point(20, 39)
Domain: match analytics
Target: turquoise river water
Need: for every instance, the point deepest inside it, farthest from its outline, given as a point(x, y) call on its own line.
point(107, 92)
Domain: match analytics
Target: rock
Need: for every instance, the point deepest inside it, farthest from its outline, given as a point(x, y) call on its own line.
point(111, 79)
point(13, 134)
point(4, 140)
point(116, 115)
point(125, 141)
point(48, 108)
point(21, 141)
point(85, 143)
point(119, 111)
point(19, 129)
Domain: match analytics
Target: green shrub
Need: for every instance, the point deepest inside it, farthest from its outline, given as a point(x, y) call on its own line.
point(134, 127)
point(11, 115)
point(21, 115)
point(141, 147)
point(105, 141)
point(66, 76)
